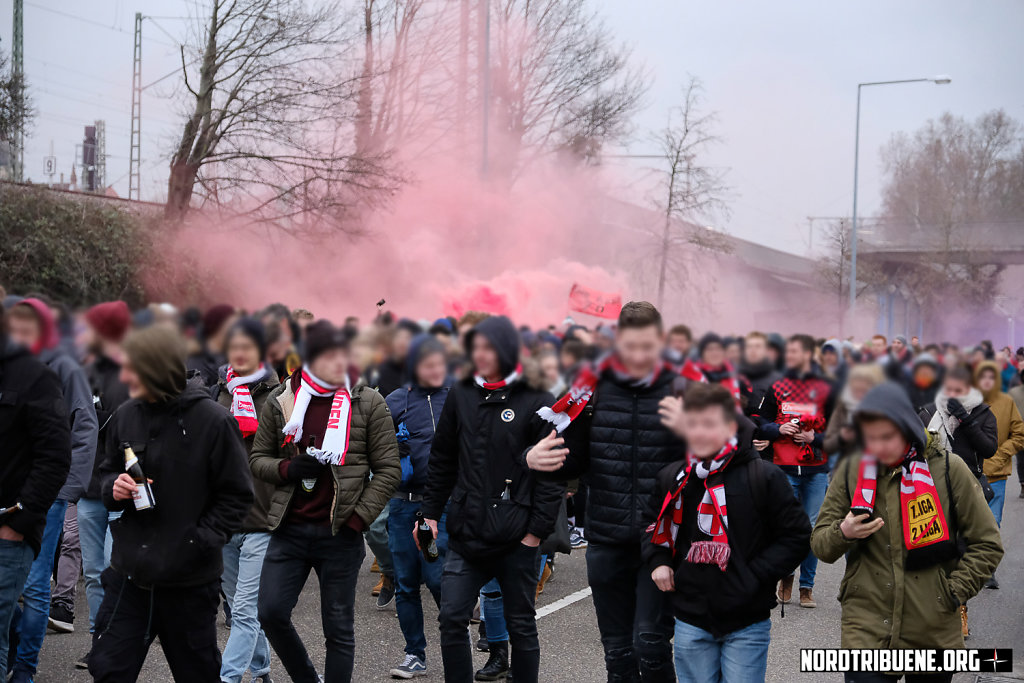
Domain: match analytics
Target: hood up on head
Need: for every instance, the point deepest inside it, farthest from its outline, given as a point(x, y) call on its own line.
point(422, 345)
point(890, 401)
point(49, 337)
point(503, 336)
point(997, 388)
point(157, 354)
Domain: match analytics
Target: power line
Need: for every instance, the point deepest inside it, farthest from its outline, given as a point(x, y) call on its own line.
point(93, 22)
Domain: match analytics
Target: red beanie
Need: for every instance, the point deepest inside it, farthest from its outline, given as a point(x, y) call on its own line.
point(215, 317)
point(110, 319)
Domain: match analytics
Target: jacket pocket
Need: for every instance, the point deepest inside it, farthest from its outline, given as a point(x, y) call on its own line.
point(945, 597)
point(504, 521)
point(455, 522)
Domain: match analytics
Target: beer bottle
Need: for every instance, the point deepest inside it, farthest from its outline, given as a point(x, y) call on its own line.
point(143, 497)
point(428, 544)
point(308, 484)
point(507, 493)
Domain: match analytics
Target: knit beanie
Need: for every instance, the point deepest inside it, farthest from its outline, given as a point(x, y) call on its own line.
point(215, 317)
point(707, 340)
point(110, 320)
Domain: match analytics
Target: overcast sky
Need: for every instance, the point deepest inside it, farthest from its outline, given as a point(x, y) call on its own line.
point(782, 76)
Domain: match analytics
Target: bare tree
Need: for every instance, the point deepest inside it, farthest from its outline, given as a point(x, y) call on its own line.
point(15, 107)
point(833, 268)
point(691, 192)
point(954, 189)
point(268, 126)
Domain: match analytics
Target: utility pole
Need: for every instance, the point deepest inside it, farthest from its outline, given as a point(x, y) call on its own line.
point(135, 155)
point(101, 156)
point(18, 72)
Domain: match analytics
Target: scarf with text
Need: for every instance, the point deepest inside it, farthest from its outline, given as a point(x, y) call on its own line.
point(339, 422)
point(569, 407)
point(242, 406)
point(712, 515)
point(723, 375)
point(494, 386)
point(924, 522)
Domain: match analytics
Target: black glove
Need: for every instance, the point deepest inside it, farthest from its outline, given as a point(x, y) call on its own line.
point(304, 466)
point(957, 410)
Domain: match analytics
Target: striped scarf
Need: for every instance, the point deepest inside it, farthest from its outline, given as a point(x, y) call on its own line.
point(712, 514)
point(569, 407)
point(494, 386)
point(242, 406)
point(924, 522)
point(339, 422)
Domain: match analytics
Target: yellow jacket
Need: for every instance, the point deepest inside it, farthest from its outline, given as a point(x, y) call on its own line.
point(1009, 428)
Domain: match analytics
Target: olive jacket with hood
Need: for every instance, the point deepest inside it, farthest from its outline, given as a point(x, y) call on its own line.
point(885, 604)
point(1009, 427)
point(372, 450)
point(475, 458)
point(263, 492)
point(77, 398)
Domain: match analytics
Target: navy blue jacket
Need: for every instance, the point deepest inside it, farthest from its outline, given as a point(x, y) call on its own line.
point(416, 411)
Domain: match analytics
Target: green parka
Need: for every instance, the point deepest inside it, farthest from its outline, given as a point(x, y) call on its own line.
point(372, 449)
point(885, 605)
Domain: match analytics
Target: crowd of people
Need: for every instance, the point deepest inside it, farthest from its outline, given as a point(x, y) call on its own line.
point(188, 462)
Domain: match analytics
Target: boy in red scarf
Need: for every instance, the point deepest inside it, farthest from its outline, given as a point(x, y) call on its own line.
point(726, 528)
point(896, 512)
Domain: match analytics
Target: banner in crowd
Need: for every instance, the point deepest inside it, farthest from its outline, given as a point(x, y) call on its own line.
point(593, 302)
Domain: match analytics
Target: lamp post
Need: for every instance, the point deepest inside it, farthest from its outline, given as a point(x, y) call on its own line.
point(938, 80)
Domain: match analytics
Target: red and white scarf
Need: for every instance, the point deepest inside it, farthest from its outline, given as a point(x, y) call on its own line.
point(494, 386)
point(242, 406)
point(712, 515)
point(569, 407)
point(924, 522)
point(339, 422)
point(723, 375)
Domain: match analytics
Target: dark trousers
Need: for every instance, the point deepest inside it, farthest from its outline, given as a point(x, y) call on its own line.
point(131, 617)
point(294, 550)
point(871, 677)
point(633, 616)
point(461, 582)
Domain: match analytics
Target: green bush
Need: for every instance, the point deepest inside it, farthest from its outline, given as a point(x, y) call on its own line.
point(75, 249)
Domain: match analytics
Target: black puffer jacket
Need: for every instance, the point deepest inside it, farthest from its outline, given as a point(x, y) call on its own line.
point(619, 445)
point(192, 450)
point(769, 535)
point(480, 437)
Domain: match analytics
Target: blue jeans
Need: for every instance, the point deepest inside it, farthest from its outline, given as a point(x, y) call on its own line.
point(492, 609)
point(411, 569)
point(36, 593)
point(810, 491)
point(15, 562)
point(96, 543)
point(247, 647)
point(737, 657)
point(377, 538)
point(996, 504)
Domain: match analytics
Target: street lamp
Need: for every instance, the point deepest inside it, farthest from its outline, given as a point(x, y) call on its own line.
point(937, 80)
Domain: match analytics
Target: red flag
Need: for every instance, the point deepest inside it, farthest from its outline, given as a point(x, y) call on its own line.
point(593, 302)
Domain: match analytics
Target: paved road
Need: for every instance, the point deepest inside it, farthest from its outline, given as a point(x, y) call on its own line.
point(571, 650)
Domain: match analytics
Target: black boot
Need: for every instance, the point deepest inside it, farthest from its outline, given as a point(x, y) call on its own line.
point(496, 668)
point(481, 644)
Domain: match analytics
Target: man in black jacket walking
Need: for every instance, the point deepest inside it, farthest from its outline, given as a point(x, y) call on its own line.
point(34, 464)
point(164, 575)
point(499, 511)
point(618, 441)
point(726, 526)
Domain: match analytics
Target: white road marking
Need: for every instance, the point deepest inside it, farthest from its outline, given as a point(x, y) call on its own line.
point(564, 602)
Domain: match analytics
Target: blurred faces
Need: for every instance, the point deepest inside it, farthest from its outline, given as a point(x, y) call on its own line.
point(639, 349)
point(829, 357)
point(431, 371)
point(243, 354)
point(400, 343)
point(111, 351)
point(130, 379)
point(859, 387)
point(797, 357)
point(955, 388)
point(987, 380)
point(713, 355)
point(708, 430)
point(680, 343)
point(733, 353)
point(898, 347)
point(924, 376)
point(878, 348)
point(549, 367)
point(331, 366)
point(485, 359)
point(24, 329)
point(755, 350)
point(885, 441)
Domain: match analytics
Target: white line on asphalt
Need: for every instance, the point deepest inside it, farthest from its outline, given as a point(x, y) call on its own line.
point(564, 602)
